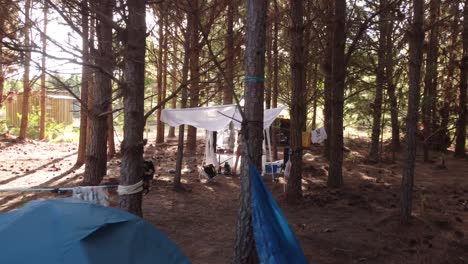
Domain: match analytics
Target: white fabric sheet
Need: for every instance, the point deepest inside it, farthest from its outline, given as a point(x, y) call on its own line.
point(319, 136)
point(213, 118)
point(208, 118)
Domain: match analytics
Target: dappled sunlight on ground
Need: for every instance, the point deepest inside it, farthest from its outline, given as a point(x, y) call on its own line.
point(354, 224)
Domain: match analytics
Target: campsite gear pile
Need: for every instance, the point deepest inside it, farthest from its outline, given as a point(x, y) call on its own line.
point(93, 194)
point(58, 231)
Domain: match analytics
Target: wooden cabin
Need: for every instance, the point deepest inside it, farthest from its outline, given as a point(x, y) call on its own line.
point(59, 107)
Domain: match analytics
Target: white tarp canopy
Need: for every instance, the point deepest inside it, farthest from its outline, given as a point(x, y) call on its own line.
point(213, 118)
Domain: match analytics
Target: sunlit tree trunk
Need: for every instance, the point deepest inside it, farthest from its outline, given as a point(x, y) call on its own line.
point(185, 69)
point(274, 84)
point(96, 152)
point(161, 36)
point(415, 61)
point(326, 68)
point(27, 61)
point(131, 170)
point(335, 175)
point(298, 100)
point(379, 83)
point(171, 133)
point(245, 251)
point(460, 143)
point(194, 66)
point(42, 132)
point(229, 42)
point(85, 76)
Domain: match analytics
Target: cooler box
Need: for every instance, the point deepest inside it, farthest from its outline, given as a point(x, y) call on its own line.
point(273, 167)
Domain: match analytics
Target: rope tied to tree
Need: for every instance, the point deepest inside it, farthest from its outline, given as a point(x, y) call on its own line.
point(130, 189)
point(254, 79)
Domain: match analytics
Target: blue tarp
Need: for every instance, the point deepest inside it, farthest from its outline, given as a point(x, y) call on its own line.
point(59, 231)
point(274, 239)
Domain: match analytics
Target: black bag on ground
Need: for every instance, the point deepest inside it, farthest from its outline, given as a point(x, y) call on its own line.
point(210, 170)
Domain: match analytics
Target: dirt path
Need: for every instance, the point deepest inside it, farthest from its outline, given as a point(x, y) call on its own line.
point(354, 224)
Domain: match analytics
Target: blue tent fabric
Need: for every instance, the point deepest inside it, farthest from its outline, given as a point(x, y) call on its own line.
point(274, 239)
point(71, 231)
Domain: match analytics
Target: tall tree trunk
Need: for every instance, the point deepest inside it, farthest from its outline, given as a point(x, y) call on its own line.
point(110, 134)
point(415, 61)
point(162, 36)
point(194, 73)
point(96, 153)
point(165, 57)
point(2, 77)
point(448, 86)
point(274, 93)
point(131, 170)
point(92, 54)
point(245, 251)
point(460, 143)
point(171, 133)
point(85, 79)
point(380, 79)
point(389, 71)
point(185, 69)
point(27, 61)
point(430, 80)
point(314, 80)
point(229, 42)
point(326, 69)
point(298, 101)
point(42, 132)
point(335, 176)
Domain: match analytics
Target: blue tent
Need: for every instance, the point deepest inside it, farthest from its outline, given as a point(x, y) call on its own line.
point(76, 232)
point(274, 239)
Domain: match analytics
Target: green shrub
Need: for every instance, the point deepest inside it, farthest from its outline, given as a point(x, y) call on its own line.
point(55, 132)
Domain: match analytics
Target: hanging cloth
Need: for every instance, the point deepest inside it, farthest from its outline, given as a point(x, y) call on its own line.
point(274, 239)
point(319, 135)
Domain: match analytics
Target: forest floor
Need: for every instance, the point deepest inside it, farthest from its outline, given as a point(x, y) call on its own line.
point(354, 224)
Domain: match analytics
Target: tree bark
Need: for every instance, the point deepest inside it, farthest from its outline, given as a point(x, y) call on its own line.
point(162, 36)
point(415, 61)
point(430, 80)
point(326, 69)
point(185, 69)
point(298, 101)
point(335, 176)
point(229, 42)
point(42, 132)
point(110, 134)
point(448, 86)
point(245, 251)
point(85, 79)
point(194, 65)
point(27, 61)
point(171, 133)
point(131, 170)
point(2, 77)
point(380, 79)
point(274, 92)
point(460, 143)
point(96, 153)
point(389, 71)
